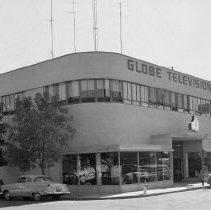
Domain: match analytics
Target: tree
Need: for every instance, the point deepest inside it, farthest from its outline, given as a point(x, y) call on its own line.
point(39, 133)
point(3, 131)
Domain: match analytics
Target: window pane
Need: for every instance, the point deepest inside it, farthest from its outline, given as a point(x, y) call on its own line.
point(198, 104)
point(163, 160)
point(134, 98)
point(56, 90)
point(12, 102)
point(125, 94)
point(62, 92)
point(129, 91)
point(166, 98)
point(129, 167)
point(100, 89)
point(180, 101)
point(87, 169)
point(186, 107)
point(107, 88)
point(160, 96)
point(152, 95)
point(173, 100)
point(116, 90)
point(148, 168)
point(87, 89)
point(110, 171)
point(7, 103)
point(69, 170)
point(91, 89)
point(144, 94)
point(138, 93)
point(84, 84)
point(74, 89)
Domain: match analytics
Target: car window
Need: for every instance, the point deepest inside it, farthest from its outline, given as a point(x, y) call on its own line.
point(42, 179)
point(28, 179)
point(21, 180)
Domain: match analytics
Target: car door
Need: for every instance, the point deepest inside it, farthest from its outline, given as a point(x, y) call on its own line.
point(17, 189)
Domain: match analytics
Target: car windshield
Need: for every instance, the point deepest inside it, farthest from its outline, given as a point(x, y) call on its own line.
point(42, 179)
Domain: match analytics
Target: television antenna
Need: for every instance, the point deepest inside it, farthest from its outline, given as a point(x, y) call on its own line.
point(95, 28)
point(51, 23)
point(74, 24)
point(120, 24)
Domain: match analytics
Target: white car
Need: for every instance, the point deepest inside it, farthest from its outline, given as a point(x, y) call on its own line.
point(34, 186)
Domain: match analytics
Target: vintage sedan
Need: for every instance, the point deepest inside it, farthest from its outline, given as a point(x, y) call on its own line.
point(34, 186)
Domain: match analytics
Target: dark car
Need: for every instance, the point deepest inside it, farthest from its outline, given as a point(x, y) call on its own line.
point(1, 183)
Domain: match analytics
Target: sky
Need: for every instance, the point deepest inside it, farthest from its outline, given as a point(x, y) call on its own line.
point(169, 33)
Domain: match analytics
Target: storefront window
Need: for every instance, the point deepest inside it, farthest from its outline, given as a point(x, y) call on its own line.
point(148, 167)
point(110, 170)
point(87, 169)
point(69, 168)
point(129, 167)
point(163, 166)
point(207, 160)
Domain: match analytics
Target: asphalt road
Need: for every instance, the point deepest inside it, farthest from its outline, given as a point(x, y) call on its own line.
point(189, 200)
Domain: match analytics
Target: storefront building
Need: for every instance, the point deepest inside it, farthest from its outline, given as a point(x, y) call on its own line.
point(132, 120)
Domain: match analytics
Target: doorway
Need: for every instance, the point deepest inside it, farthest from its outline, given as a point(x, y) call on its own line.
point(194, 164)
point(178, 160)
point(178, 169)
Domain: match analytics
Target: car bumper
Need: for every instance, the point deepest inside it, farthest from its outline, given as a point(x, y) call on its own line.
point(55, 193)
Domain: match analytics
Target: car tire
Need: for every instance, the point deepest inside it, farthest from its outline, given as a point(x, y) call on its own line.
point(7, 195)
point(37, 196)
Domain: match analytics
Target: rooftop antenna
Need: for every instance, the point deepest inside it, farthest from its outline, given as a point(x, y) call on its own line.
point(51, 22)
point(120, 24)
point(74, 31)
point(95, 28)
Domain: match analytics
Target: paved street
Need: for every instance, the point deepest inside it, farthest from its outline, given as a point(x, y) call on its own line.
point(193, 200)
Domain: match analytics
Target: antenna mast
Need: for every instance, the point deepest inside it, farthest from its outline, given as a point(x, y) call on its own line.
point(95, 28)
point(74, 35)
point(120, 26)
point(51, 22)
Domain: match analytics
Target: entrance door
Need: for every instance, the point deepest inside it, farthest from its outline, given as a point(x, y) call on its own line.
point(177, 169)
point(194, 164)
point(178, 160)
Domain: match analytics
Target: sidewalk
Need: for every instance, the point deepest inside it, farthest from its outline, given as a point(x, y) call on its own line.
point(181, 187)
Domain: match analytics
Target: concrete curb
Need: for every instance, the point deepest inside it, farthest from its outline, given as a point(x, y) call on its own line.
point(138, 196)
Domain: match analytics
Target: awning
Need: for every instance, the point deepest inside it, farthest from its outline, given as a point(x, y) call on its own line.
point(120, 148)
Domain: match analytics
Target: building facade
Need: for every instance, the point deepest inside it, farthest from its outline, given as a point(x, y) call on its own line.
point(132, 119)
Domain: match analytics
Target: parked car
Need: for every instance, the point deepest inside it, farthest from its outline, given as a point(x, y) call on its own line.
point(1, 183)
point(34, 186)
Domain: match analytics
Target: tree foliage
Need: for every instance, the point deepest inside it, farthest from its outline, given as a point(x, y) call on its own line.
point(3, 131)
point(39, 133)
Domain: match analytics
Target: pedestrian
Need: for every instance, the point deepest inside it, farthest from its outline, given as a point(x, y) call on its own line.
point(201, 175)
point(145, 185)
